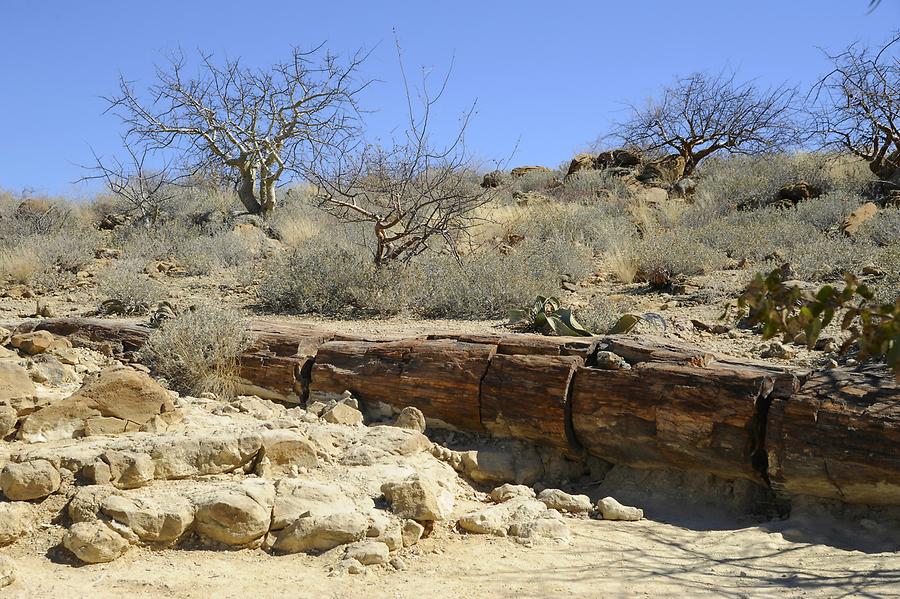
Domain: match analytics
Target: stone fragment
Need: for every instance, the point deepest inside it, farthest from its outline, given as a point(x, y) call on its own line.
point(38, 342)
point(25, 481)
point(341, 413)
point(368, 552)
point(412, 418)
point(611, 509)
point(129, 470)
point(7, 571)
point(157, 519)
point(94, 542)
point(16, 518)
point(419, 498)
point(321, 533)
point(15, 384)
point(564, 502)
point(411, 531)
point(235, 515)
point(509, 491)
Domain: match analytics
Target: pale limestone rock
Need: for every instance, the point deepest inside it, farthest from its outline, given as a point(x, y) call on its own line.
point(611, 509)
point(26, 481)
point(94, 542)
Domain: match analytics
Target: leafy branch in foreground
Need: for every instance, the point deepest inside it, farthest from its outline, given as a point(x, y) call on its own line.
point(781, 309)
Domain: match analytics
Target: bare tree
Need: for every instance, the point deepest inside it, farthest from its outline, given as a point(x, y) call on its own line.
point(147, 192)
point(857, 106)
point(259, 123)
point(702, 114)
point(411, 193)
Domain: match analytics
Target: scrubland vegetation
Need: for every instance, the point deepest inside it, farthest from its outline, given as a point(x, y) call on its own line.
point(731, 178)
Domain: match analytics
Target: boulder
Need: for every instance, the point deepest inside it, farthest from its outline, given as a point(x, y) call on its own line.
point(411, 531)
point(858, 218)
point(296, 497)
point(611, 509)
point(618, 158)
point(553, 529)
point(508, 491)
point(564, 502)
point(8, 420)
point(16, 518)
point(118, 399)
point(498, 519)
point(7, 571)
point(492, 179)
point(322, 533)
point(94, 542)
point(341, 413)
point(521, 171)
point(286, 449)
point(87, 502)
point(38, 342)
point(581, 162)
point(25, 481)
point(667, 169)
point(185, 456)
point(235, 515)
point(155, 519)
point(411, 418)
point(368, 552)
point(15, 384)
point(794, 193)
point(128, 469)
point(419, 498)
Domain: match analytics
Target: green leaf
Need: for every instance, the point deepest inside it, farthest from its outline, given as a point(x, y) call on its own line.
point(625, 324)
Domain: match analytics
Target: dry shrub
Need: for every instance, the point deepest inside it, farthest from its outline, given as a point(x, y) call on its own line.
point(623, 263)
point(600, 314)
point(127, 290)
point(20, 265)
point(199, 350)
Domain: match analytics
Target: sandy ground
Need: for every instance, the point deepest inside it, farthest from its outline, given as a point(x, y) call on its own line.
point(607, 559)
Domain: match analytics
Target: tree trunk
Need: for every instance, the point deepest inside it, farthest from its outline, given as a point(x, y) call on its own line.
point(247, 191)
point(267, 195)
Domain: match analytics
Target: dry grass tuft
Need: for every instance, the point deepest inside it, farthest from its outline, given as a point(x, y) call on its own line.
point(199, 350)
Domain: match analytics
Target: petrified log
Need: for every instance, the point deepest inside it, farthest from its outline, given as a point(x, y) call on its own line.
point(441, 377)
point(654, 349)
point(527, 397)
point(838, 438)
point(660, 415)
point(119, 337)
point(277, 364)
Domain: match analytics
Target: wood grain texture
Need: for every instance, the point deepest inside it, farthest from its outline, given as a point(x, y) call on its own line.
point(441, 377)
point(660, 415)
point(838, 438)
point(526, 397)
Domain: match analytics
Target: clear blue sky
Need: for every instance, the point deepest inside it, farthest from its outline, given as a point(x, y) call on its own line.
point(551, 75)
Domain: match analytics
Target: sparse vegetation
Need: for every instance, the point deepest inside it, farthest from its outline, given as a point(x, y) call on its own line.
point(198, 350)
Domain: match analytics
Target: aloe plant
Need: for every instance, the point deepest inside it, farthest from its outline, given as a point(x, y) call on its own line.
point(546, 314)
point(627, 322)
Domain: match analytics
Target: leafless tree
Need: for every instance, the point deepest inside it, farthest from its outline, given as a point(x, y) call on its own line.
point(857, 106)
point(147, 192)
point(411, 193)
point(702, 114)
point(260, 123)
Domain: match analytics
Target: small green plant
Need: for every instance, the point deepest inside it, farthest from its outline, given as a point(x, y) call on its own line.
point(781, 309)
point(546, 314)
